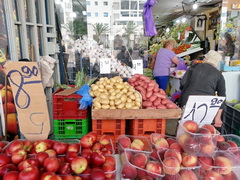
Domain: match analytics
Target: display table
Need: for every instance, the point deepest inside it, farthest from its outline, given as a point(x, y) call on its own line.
point(136, 113)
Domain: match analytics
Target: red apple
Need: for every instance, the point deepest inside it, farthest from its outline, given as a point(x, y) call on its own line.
point(87, 153)
point(94, 136)
point(108, 167)
point(51, 153)
point(12, 175)
point(171, 141)
point(104, 139)
point(19, 156)
point(223, 145)
point(27, 145)
point(79, 164)
point(129, 172)
point(49, 143)
point(15, 145)
point(30, 173)
point(124, 141)
point(191, 146)
point(7, 168)
point(56, 177)
point(97, 146)
point(70, 156)
point(190, 126)
point(4, 159)
point(86, 141)
point(232, 143)
point(111, 160)
point(60, 147)
point(65, 169)
point(51, 164)
point(97, 159)
point(75, 147)
point(204, 136)
point(40, 146)
point(41, 156)
point(47, 175)
point(154, 168)
point(28, 163)
point(97, 174)
point(68, 177)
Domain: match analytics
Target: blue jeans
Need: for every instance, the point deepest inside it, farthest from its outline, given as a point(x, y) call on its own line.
point(162, 81)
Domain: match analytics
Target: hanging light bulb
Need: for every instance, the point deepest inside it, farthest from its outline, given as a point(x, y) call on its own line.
point(195, 6)
point(178, 21)
point(167, 30)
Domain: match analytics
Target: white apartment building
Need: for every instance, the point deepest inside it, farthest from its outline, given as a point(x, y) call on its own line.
point(116, 14)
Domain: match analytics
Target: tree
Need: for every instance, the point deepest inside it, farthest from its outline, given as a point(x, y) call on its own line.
point(129, 29)
point(76, 28)
point(99, 29)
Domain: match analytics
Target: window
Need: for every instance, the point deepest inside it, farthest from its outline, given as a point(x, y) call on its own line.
point(96, 14)
point(125, 13)
point(88, 14)
point(88, 3)
point(105, 3)
point(122, 23)
point(105, 14)
point(124, 4)
point(141, 4)
point(134, 5)
point(96, 3)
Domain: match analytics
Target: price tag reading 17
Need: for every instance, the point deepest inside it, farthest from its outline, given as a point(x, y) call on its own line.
point(202, 109)
point(105, 66)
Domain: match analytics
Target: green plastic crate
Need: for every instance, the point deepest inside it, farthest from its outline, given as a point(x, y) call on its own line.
point(70, 128)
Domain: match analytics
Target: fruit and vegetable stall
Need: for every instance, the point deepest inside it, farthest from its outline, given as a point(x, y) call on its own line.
point(127, 139)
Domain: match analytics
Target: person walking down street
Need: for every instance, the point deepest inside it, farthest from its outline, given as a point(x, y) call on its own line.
point(204, 79)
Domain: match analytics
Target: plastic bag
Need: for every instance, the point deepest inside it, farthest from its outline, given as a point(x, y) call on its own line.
point(86, 99)
point(181, 65)
point(149, 26)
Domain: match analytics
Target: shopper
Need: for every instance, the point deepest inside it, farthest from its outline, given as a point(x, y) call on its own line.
point(165, 58)
point(227, 45)
point(204, 79)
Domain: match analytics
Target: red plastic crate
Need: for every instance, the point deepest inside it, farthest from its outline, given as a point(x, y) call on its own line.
point(145, 127)
point(111, 127)
point(67, 107)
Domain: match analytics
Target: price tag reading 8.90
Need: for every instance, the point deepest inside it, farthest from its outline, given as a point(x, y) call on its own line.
point(202, 109)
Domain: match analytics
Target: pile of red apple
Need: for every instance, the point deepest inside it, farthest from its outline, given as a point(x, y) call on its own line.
point(222, 166)
point(197, 140)
point(133, 142)
point(138, 165)
point(50, 160)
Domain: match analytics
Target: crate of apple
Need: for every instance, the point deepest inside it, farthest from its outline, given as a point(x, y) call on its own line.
point(200, 141)
point(139, 165)
point(138, 143)
point(222, 165)
point(49, 158)
point(177, 165)
point(227, 141)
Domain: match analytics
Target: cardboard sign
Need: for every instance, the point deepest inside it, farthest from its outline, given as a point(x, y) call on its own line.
point(2, 115)
point(105, 67)
point(29, 98)
point(202, 109)
point(137, 67)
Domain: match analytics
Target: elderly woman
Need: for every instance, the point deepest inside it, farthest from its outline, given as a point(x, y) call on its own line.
point(165, 58)
point(204, 79)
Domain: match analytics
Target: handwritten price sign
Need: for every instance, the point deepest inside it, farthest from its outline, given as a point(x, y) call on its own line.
point(105, 67)
point(29, 98)
point(202, 109)
point(137, 66)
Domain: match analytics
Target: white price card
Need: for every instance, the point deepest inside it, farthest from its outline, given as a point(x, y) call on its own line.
point(137, 67)
point(202, 109)
point(105, 66)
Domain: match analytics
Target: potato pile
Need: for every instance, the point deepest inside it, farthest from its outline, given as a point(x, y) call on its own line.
point(153, 97)
point(114, 94)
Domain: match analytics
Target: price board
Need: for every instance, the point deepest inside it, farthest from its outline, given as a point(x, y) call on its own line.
point(137, 66)
point(105, 66)
point(202, 109)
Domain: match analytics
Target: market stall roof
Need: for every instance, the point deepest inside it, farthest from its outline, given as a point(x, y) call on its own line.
point(165, 11)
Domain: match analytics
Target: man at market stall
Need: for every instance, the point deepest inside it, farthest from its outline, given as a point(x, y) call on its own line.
point(204, 79)
point(164, 59)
